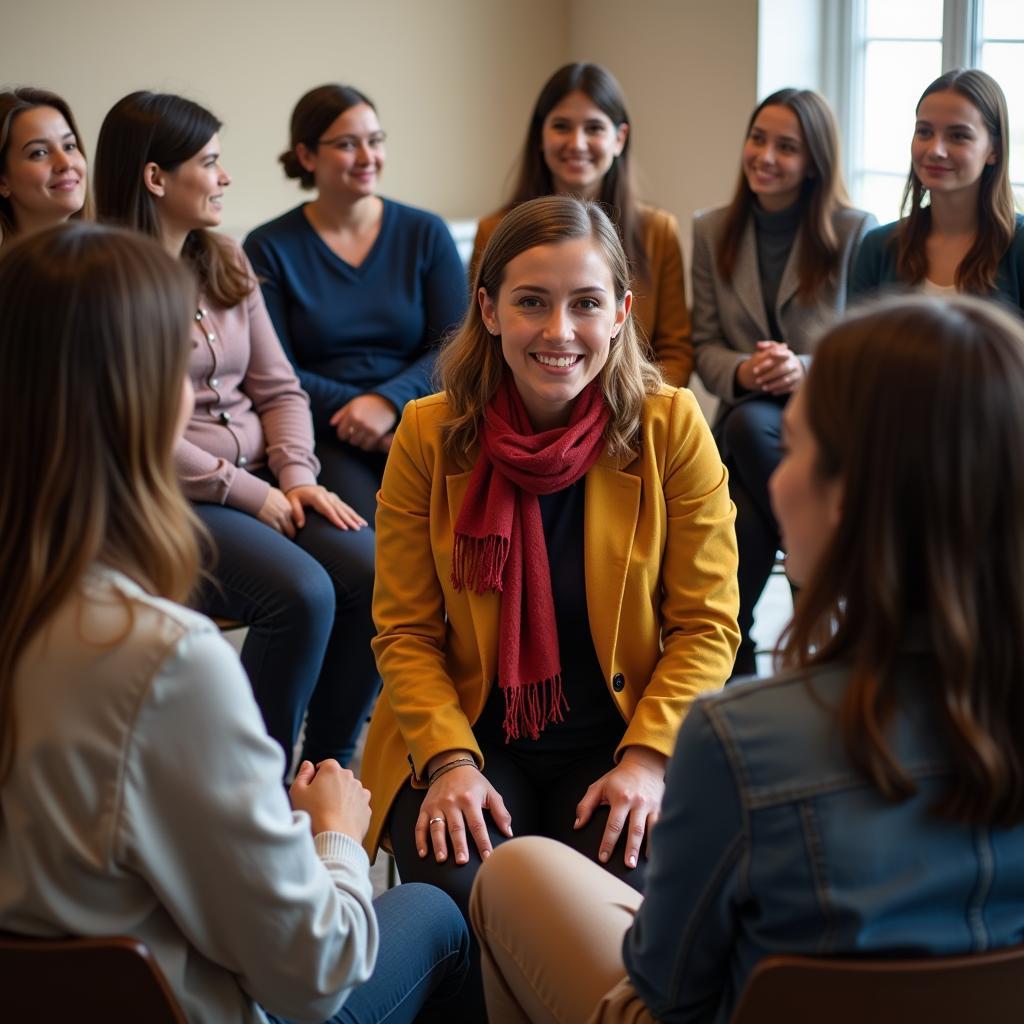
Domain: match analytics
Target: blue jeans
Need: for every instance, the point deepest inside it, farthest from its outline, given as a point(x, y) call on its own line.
point(421, 961)
point(306, 603)
point(750, 439)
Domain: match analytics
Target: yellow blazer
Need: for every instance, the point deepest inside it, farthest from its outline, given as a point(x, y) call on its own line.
point(660, 570)
point(659, 304)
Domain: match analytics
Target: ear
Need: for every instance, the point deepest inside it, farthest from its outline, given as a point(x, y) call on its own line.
point(305, 156)
point(5, 189)
point(488, 313)
point(153, 177)
point(993, 157)
point(621, 134)
point(621, 312)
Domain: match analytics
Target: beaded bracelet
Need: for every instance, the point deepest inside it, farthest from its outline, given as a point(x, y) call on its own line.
point(450, 766)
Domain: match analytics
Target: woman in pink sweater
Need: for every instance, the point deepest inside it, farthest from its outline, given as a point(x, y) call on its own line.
point(293, 561)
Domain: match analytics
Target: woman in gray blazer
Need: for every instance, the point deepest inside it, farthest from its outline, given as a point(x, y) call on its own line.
point(769, 274)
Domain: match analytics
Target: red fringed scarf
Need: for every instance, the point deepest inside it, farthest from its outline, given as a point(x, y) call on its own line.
point(499, 542)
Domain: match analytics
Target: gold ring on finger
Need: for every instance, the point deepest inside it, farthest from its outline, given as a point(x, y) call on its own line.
point(434, 820)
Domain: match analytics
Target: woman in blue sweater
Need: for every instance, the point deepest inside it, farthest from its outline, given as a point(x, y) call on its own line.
point(360, 289)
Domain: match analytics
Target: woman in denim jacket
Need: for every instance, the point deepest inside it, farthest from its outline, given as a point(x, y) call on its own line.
point(870, 797)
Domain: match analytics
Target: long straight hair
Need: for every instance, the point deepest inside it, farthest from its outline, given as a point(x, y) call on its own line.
point(996, 209)
point(917, 409)
point(14, 103)
point(471, 365)
point(618, 191)
point(93, 353)
point(821, 195)
point(149, 127)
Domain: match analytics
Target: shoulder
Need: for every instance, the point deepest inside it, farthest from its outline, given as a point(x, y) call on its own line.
point(709, 224)
point(668, 418)
point(486, 225)
point(877, 238)
point(849, 221)
point(279, 229)
point(149, 631)
point(658, 222)
point(424, 418)
point(1017, 243)
point(408, 217)
point(781, 732)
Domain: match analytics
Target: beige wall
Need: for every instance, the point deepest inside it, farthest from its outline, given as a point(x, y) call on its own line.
point(689, 70)
point(454, 81)
point(448, 78)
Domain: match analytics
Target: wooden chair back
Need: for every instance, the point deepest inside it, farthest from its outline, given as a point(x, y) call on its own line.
point(981, 987)
point(114, 980)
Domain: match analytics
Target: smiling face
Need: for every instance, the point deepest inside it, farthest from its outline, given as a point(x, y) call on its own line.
point(807, 507)
point(349, 156)
point(44, 170)
point(951, 146)
point(775, 160)
point(579, 143)
point(192, 195)
point(556, 314)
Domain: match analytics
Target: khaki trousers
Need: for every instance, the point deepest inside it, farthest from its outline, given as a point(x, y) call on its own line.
point(550, 924)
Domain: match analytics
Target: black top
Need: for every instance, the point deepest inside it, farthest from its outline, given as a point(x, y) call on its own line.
point(775, 234)
point(593, 717)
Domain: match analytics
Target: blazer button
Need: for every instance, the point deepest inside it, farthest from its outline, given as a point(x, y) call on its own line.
point(618, 682)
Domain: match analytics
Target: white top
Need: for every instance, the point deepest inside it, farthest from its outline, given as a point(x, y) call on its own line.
point(145, 799)
point(942, 290)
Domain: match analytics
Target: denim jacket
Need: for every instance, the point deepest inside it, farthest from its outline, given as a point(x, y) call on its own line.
point(771, 842)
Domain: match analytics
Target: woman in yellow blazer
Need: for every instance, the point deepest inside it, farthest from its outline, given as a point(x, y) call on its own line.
point(556, 570)
point(578, 144)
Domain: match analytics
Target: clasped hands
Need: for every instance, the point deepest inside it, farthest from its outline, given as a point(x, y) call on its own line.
point(367, 422)
point(773, 368)
point(454, 805)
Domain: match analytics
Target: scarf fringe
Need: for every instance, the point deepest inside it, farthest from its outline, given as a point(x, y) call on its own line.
point(478, 562)
point(530, 706)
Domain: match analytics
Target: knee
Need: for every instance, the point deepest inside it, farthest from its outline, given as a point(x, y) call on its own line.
point(307, 595)
point(421, 905)
point(512, 874)
point(743, 431)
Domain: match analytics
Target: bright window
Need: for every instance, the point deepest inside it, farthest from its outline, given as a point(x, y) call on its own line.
point(897, 48)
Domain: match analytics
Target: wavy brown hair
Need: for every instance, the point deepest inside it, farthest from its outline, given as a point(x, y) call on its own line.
point(93, 353)
point(618, 190)
point(917, 409)
point(823, 193)
point(996, 209)
point(471, 365)
point(13, 103)
point(160, 128)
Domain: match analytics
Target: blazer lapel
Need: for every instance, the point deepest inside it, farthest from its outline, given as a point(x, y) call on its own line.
point(611, 508)
point(790, 280)
point(484, 609)
point(746, 280)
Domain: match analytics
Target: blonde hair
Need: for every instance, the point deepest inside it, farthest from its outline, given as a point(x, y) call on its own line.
point(93, 354)
point(470, 366)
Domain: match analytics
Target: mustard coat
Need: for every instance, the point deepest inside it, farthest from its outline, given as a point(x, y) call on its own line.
point(660, 569)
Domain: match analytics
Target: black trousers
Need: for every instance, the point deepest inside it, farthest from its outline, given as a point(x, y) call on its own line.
point(750, 440)
point(541, 789)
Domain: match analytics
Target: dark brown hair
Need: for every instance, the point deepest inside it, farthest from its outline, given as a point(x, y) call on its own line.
point(917, 409)
point(822, 193)
point(312, 116)
point(618, 192)
point(471, 365)
point(996, 216)
point(149, 127)
point(13, 103)
point(93, 353)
